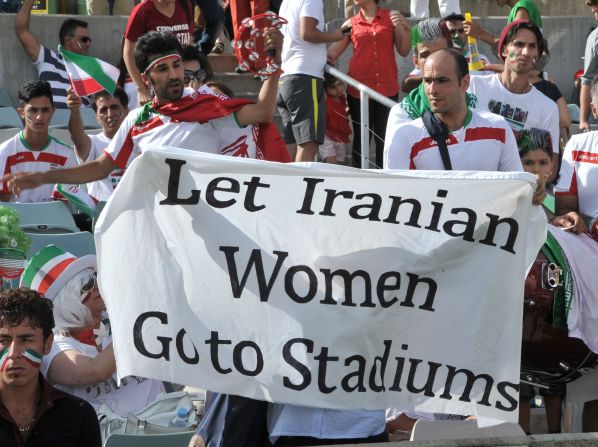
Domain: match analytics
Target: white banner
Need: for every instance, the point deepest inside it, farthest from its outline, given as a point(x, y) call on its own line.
point(321, 285)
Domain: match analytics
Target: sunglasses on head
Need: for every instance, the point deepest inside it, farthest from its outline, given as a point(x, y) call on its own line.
point(200, 75)
point(89, 284)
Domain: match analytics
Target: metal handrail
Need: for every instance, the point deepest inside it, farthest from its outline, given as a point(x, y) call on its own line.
point(365, 93)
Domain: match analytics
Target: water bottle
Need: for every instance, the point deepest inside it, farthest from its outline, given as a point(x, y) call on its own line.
point(180, 419)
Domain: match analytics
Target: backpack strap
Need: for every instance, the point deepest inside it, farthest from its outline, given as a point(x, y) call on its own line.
point(439, 133)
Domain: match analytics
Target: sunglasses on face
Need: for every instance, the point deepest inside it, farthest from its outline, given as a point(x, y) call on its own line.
point(90, 284)
point(200, 75)
point(84, 39)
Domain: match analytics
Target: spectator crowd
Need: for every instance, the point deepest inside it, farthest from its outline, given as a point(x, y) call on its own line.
point(456, 109)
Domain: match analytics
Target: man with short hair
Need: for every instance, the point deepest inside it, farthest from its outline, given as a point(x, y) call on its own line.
point(111, 111)
point(454, 23)
point(590, 69)
point(73, 36)
point(510, 94)
point(34, 149)
point(32, 412)
point(176, 117)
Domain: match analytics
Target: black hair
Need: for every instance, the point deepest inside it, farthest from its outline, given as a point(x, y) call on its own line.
point(155, 43)
point(534, 139)
point(525, 24)
point(35, 89)
point(222, 87)
point(454, 17)
point(20, 304)
point(329, 80)
point(461, 65)
point(68, 28)
point(192, 53)
point(119, 94)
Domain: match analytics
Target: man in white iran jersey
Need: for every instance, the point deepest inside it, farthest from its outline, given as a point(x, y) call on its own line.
point(176, 117)
point(111, 111)
point(33, 149)
point(478, 141)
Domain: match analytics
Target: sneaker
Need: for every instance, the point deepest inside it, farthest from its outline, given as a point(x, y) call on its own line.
point(240, 70)
point(218, 47)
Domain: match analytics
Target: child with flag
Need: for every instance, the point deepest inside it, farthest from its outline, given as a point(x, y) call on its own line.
point(32, 412)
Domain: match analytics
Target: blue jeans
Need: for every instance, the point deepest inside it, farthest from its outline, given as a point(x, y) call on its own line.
point(214, 15)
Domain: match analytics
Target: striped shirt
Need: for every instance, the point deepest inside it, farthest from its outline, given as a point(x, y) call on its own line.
point(50, 68)
point(484, 143)
point(17, 156)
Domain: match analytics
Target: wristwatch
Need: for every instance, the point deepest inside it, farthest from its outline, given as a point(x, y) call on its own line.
point(346, 31)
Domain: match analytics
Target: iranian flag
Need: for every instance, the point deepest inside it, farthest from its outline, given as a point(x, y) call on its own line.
point(89, 75)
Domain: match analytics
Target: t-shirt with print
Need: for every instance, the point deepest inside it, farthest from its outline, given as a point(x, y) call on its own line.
point(101, 189)
point(145, 17)
point(161, 131)
point(133, 394)
point(299, 56)
point(484, 143)
point(579, 172)
point(522, 111)
point(17, 156)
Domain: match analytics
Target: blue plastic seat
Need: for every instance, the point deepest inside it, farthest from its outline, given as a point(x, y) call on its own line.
point(574, 112)
point(9, 118)
point(5, 100)
point(79, 244)
point(44, 217)
point(168, 440)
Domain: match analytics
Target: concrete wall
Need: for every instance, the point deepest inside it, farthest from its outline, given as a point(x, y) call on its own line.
point(566, 37)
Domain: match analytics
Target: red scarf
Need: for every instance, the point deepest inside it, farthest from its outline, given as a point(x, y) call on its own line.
point(201, 108)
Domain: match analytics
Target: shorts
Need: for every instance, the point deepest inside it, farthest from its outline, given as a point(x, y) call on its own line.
point(331, 148)
point(302, 107)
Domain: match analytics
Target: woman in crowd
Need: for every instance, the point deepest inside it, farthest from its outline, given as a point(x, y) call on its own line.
point(81, 361)
point(375, 33)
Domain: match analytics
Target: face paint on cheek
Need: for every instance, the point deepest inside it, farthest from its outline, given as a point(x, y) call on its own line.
point(34, 358)
point(512, 56)
point(3, 359)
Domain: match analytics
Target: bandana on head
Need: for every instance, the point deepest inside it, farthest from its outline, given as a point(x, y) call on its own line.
point(162, 59)
point(503, 35)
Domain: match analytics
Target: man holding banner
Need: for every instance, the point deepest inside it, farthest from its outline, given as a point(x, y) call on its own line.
point(177, 117)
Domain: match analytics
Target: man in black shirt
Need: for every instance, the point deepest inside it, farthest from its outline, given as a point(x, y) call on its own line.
point(32, 412)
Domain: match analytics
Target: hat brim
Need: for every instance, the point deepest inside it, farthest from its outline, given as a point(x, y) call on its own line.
point(80, 264)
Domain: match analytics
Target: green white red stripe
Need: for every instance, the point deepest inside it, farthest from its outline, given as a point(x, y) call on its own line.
point(33, 357)
point(51, 261)
point(3, 358)
point(79, 198)
point(89, 75)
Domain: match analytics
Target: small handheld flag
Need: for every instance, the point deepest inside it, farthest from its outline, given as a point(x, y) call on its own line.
point(89, 75)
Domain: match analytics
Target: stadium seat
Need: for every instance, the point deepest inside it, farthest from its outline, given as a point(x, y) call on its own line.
point(444, 430)
point(60, 119)
point(79, 244)
point(5, 100)
point(88, 117)
point(170, 440)
point(10, 119)
point(574, 112)
point(44, 217)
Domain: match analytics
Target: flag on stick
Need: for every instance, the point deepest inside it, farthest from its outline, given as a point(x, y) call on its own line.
point(89, 75)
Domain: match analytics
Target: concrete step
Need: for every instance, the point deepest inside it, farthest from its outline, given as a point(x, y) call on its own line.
point(222, 62)
point(243, 85)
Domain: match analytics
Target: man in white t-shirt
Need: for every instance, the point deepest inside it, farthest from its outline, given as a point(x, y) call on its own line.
point(477, 140)
point(33, 149)
point(301, 99)
point(577, 189)
point(110, 113)
point(510, 94)
point(177, 117)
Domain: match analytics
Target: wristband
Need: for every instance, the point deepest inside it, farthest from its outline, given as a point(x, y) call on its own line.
point(346, 31)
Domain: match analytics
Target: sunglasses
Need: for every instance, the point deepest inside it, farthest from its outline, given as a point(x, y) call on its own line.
point(200, 75)
point(84, 39)
point(90, 284)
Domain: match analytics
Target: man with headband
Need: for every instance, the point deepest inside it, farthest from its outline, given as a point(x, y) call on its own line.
point(176, 117)
point(32, 412)
point(34, 149)
point(510, 94)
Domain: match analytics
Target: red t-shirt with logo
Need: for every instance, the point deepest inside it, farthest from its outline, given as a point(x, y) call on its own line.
point(145, 17)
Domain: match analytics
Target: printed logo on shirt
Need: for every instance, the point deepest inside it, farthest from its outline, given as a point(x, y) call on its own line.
point(238, 148)
point(54, 166)
point(181, 31)
point(514, 115)
point(585, 157)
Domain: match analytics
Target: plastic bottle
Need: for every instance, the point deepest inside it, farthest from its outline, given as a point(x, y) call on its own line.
point(180, 419)
point(475, 63)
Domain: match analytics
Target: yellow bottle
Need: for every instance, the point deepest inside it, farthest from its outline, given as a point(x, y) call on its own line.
point(475, 63)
